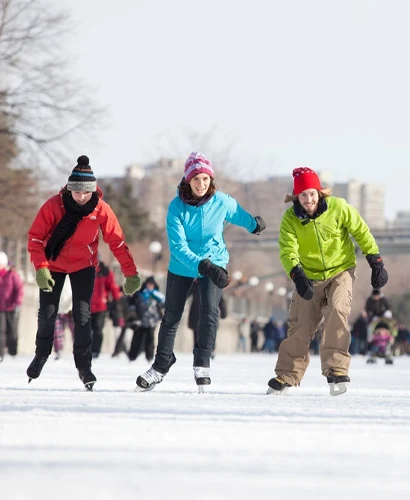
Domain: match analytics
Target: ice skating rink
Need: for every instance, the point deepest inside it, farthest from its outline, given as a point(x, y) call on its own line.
point(59, 441)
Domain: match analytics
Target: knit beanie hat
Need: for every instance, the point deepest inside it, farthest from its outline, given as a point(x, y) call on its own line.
point(4, 260)
point(82, 177)
point(305, 178)
point(197, 164)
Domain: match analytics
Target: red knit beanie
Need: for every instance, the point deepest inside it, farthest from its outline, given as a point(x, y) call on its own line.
point(305, 178)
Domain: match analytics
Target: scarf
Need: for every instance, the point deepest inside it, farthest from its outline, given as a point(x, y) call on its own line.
point(68, 224)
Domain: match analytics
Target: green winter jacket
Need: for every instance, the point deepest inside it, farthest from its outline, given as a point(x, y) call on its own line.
point(322, 245)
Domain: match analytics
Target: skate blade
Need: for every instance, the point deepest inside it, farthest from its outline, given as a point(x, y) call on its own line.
point(89, 386)
point(283, 392)
point(338, 389)
point(143, 389)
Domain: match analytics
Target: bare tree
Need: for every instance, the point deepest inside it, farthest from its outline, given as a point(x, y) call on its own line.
point(42, 103)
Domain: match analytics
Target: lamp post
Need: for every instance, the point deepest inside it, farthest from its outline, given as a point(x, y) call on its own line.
point(237, 275)
point(155, 248)
point(253, 281)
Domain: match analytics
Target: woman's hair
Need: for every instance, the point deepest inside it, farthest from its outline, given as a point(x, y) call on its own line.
point(186, 191)
point(323, 193)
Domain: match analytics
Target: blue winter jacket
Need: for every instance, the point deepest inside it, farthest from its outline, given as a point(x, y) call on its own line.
point(196, 233)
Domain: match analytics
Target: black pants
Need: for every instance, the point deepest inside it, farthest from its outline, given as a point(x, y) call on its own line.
point(82, 284)
point(176, 294)
point(8, 332)
point(142, 341)
point(97, 326)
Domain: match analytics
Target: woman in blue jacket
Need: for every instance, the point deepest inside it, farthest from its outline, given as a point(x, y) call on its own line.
point(195, 224)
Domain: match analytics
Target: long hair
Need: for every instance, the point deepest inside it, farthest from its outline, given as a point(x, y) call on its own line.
point(186, 191)
point(323, 193)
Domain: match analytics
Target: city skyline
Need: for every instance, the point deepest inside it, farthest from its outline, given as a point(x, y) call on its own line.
point(314, 83)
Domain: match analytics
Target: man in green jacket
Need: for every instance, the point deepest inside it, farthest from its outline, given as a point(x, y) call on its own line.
point(318, 254)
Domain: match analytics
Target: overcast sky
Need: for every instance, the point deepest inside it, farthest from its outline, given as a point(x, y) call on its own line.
point(323, 83)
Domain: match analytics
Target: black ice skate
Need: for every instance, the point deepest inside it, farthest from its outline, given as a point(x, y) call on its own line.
point(35, 367)
point(337, 383)
point(202, 377)
point(277, 386)
point(148, 380)
point(87, 377)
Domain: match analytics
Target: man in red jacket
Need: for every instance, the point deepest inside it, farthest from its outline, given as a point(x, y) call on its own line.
point(63, 240)
point(105, 288)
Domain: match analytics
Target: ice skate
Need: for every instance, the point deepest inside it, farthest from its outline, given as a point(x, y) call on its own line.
point(337, 383)
point(35, 367)
point(202, 378)
point(87, 377)
point(277, 386)
point(148, 380)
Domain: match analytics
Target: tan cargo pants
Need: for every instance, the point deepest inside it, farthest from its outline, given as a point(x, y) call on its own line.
point(332, 300)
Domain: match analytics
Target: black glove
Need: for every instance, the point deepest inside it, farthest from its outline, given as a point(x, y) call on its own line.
point(303, 284)
point(379, 274)
point(260, 225)
point(216, 274)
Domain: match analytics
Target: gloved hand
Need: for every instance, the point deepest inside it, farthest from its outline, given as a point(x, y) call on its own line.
point(216, 274)
point(44, 279)
point(132, 284)
point(379, 274)
point(260, 225)
point(303, 284)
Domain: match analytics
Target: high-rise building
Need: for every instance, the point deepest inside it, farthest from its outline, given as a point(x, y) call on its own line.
point(368, 199)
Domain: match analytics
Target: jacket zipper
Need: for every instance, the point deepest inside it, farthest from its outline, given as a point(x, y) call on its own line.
point(320, 247)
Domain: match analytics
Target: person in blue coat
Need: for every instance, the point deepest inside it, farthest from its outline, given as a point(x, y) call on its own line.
point(195, 225)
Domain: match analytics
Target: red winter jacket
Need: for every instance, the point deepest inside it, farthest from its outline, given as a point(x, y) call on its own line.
point(104, 286)
point(80, 251)
point(11, 290)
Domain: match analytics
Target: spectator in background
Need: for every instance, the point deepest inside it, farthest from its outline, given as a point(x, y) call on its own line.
point(254, 334)
point(402, 343)
point(243, 332)
point(105, 289)
point(11, 297)
point(148, 305)
point(376, 305)
point(358, 344)
point(381, 343)
point(272, 336)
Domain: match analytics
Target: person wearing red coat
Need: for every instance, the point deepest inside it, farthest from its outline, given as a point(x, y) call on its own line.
point(105, 288)
point(11, 297)
point(63, 240)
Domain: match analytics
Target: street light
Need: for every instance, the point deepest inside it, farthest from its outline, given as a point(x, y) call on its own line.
point(155, 248)
point(253, 281)
point(237, 275)
point(282, 291)
point(269, 287)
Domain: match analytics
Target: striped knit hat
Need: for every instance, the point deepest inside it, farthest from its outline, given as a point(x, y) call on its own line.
point(82, 177)
point(197, 164)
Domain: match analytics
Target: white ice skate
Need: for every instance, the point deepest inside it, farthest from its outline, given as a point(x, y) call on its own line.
point(202, 378)
point(337, 383)
point(148, 380)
